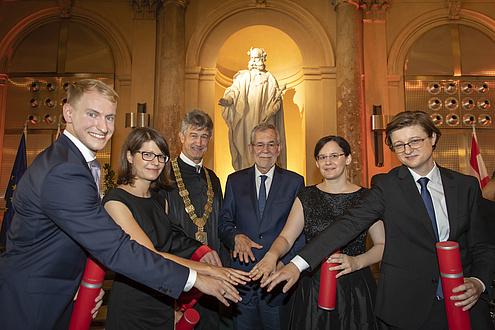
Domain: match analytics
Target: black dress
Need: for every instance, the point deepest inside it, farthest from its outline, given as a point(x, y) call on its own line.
point(132, 305)
point(355, 291)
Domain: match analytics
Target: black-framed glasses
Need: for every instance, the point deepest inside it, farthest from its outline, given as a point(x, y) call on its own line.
point(149, 156)
point(332, 157)
point(413, 144)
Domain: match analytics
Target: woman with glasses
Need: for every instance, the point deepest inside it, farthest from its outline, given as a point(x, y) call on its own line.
point(315, 208)
point(142, 213)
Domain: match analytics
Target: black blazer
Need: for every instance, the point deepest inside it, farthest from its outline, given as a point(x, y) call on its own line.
point(58, 222)
point(409, 272)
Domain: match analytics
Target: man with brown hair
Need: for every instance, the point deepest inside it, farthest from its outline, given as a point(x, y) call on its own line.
point(420, 204)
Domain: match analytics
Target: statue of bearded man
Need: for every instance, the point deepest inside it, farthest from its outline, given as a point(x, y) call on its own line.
point(253, 98)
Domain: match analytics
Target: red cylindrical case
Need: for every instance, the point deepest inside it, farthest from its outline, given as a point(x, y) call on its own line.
point(88, 291)
point(328, 286)
point(188, 320)
point(449, 261)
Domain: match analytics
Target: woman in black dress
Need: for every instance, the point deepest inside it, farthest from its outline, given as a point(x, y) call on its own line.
point(142, 213)
point(315, 208)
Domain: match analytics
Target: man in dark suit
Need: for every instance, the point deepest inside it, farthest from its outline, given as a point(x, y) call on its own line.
point(420, 203)
point(59, 221)
point(195, 200)
point(256, 206)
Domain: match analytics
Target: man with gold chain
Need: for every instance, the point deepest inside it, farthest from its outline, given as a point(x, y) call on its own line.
point(195, 199)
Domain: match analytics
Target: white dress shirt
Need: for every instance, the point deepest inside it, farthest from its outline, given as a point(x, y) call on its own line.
point(268, 182)
point(435, 187)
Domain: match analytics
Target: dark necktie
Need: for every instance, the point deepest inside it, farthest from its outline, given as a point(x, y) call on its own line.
point(198, 168)
point(425, 194)
point(94, 165)
point(262, 195)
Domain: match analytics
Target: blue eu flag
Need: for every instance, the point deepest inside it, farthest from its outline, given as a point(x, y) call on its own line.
point(18, 170)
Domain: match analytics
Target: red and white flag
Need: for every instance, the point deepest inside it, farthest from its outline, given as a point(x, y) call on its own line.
point(477, 166)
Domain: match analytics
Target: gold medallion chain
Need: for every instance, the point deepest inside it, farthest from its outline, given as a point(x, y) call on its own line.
point(184, 193)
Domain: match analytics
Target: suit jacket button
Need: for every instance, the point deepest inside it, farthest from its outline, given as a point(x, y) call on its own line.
point(260, 236)
point(434, 280)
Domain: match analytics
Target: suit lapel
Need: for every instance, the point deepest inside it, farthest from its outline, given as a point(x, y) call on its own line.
point(63, 139)
point(410, 190)
point(450, 191)
point(251, 182)
point(274, 187)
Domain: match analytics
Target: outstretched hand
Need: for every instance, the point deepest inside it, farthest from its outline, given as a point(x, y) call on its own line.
point(242, 248)
point(232, 276)
point(218, 288)
point(264, 268)
point(289, 273)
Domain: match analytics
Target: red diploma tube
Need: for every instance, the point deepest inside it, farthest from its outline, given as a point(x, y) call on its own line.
point(88, 291)
point(328, 286)
point(188, 320)
point(449, 261)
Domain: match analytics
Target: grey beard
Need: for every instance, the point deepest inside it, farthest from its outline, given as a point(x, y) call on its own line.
point(257, 67)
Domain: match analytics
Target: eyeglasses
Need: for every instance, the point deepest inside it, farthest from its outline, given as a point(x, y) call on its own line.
point(149, 156)
point(260, 146)
point(322, 158)
point(413, 144)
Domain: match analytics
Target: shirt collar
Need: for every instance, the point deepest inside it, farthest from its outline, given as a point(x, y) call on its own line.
point(87, 154)
point(433, 175)
point(269, 174)
point(190, 162)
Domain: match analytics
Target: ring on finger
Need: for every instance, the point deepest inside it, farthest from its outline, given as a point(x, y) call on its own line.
point(224, 293)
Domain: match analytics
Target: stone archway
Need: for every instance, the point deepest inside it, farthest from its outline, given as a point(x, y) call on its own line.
point(317, 72)
point(110, 34)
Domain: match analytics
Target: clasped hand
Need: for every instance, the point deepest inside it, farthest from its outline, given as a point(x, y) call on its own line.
point(473, 289)
point(347, 264)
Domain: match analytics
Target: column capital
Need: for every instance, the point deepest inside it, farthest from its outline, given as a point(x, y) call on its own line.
point(182, 3)
point(374, 9)
point(352, 2)
point(65, 8)
point(454, 8)
point(145, 9)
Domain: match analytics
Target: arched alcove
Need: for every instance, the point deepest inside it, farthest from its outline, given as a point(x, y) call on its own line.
point(314, 76)
point(21, 42)
point(284, 62)
point(433, 50)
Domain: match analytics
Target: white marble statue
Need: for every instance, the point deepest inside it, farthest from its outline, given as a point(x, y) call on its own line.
point(253, 98)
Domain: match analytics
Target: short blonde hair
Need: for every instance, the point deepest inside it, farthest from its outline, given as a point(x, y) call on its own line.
point(76, 90)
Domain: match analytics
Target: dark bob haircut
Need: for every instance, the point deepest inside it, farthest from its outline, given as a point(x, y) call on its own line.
point(343, 144)
point(133, 143)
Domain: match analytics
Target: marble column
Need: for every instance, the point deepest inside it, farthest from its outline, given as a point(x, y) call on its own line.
point(171, 72)
point(350, 112)
point(3, 108)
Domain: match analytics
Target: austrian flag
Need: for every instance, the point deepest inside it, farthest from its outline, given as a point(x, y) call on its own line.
point(477, 167)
